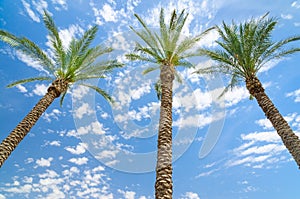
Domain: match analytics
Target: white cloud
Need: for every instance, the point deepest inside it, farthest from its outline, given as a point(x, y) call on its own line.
point(79, 92)
point(259, 150)
point(207, 173)
point(53, 143)
point(40, 89)
point(127, 194)
point(54, 114)
point(40, 5)
point(234, 96)
point(190, 195)
point(21, 88)
point(79, 161)
point(84, 109)
point(2, 196)
point(269, 65)
point(107, 13)
point(44, 162)
point(287, 16)
point(30, 12)
point(296, 4)
point(60, 4)
point(140, 91)
point(295, 94)
point(268, 136)
point(91, 182)
point(79, 149)
point(265, 123)
point(23, 189)
point(94, 127)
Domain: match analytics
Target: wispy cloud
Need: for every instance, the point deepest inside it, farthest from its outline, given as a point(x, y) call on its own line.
point(30, 12)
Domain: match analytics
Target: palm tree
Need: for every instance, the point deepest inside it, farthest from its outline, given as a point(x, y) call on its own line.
point(245, 49)
point(67, 66)
point(167, 49)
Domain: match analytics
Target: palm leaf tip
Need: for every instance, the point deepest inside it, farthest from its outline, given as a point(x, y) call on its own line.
point(28, 80)
point(101, 92)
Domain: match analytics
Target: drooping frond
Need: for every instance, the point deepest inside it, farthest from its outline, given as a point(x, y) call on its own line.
point(158, 89)
point(29, 80)
point(150, 69)
point(28, 48)
point(100, 91)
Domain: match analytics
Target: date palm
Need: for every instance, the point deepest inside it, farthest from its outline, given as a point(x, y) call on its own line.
point(244, 49)
point(167, 49)
point(67, 66)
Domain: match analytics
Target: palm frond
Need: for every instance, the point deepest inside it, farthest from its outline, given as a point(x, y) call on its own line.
point(100, 91)
point(158, 89)
point(185, 63)
point(59, 52)
point(137, 57)
point(28, 80)
point(62, 99)
point(150, 69)
point(178, 78)
point(28, 48)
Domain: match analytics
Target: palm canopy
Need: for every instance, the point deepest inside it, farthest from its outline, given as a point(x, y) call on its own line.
point(74, 64)
point(168, 47)
point(246, 47)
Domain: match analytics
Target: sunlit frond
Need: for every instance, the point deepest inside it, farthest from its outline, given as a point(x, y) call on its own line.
point(29, 80)
point(100, 91)
point(244, 48)
point(167, 46)
point(59, 52)
point(150, 69)
point(28, 48)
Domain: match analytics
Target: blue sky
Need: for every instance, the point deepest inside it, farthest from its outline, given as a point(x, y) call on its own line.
point(89, 149)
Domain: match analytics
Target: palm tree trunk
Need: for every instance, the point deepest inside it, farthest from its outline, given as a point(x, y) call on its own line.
point(289, 138)
point(164, 184)
point(17, 135)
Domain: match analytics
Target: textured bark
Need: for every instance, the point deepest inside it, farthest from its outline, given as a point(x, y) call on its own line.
point(17, 135)
point(289, 138)
point(164, 184)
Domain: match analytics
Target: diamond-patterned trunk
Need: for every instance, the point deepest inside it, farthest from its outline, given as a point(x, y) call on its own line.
point(164, 184)
point(17, 135)
point(289, 138)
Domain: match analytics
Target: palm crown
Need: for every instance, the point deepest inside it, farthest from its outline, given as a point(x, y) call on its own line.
point(247, 47)
point(168, 47)
point(65, 67)
point(74, 64)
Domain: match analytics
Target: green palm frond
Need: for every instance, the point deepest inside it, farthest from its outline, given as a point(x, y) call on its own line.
point(185, 64)
point(158, 89)
point(100, 91)
point(28, 80)
point(177, 77)
point(150, 69)
point(28, 48)
point(168, 46)
point(246, 47)
point(62, 98)
point(137, 57)
point(59, 52)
